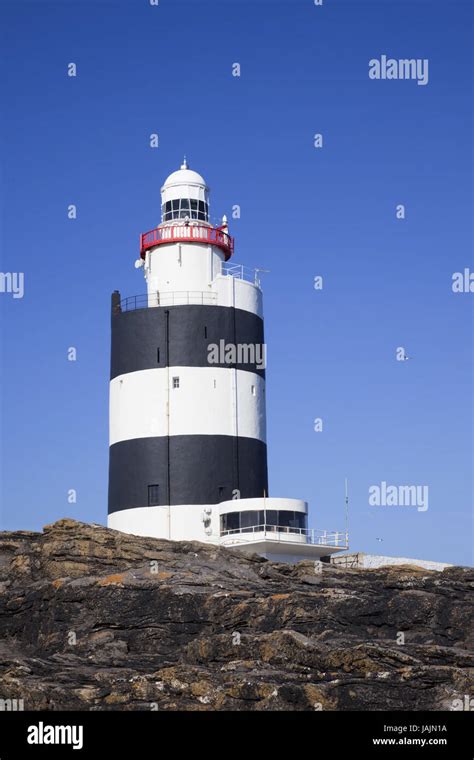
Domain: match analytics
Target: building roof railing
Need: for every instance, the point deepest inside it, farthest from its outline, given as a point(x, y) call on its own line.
point(276, 532)
point(241, 272)
point(172, 298)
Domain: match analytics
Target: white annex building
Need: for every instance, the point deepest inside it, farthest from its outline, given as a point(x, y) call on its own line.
point(188, 453)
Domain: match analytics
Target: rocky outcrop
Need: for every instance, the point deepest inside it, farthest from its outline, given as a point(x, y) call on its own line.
point(95, 619)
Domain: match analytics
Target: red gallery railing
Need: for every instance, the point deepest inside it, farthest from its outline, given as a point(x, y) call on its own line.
point(187, 233)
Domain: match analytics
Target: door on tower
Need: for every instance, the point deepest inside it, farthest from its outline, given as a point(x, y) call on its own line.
point(224, 493)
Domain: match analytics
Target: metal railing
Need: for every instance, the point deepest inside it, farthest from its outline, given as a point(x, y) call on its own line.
point(240, 272)
point(172, 298)
point(187, 233)
point(279, 532)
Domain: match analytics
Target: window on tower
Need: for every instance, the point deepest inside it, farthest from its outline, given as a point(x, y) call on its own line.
point(230, 521)
point(175, 382)
point(203, 211)
point(271, 520)
point(154, 495)
point(184, 210)
point(185, 207)
point(250, 520)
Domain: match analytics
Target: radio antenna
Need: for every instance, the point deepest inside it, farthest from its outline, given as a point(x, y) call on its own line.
point(346, 509)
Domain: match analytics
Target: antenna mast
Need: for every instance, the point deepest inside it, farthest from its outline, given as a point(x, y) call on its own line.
point(346, 488)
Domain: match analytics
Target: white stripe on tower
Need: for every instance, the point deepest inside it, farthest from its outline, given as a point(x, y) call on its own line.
point(201, 404)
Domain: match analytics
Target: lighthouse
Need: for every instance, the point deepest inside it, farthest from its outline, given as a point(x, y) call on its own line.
point(188, 448)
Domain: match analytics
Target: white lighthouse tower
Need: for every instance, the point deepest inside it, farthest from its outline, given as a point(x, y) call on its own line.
point(188, 454)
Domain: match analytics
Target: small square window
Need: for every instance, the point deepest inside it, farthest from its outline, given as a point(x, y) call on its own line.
point(175, 382)
point(154, 495)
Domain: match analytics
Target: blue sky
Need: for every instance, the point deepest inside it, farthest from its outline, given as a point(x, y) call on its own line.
point(304, 212)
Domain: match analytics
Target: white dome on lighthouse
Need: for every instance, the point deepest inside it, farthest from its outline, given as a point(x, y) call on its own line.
point(185, 195)
point(184, 177)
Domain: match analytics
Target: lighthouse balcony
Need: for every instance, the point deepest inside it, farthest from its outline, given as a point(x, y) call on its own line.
point(283, 544)
point(284, 533)
point(233, 286)
point(187, 232)
point(168, 298)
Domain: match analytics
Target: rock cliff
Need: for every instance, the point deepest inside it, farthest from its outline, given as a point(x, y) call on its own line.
point(94, 619)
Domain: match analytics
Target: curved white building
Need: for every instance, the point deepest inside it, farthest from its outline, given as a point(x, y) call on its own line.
point(188, 454)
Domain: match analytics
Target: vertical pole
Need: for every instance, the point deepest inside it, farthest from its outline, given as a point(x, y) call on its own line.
point(264, 513)
point(347, 512)
point(168, 420)
point(235, 411)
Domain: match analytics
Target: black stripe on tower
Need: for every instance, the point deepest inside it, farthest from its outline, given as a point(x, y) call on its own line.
point(200, 470)
point(139, 337)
